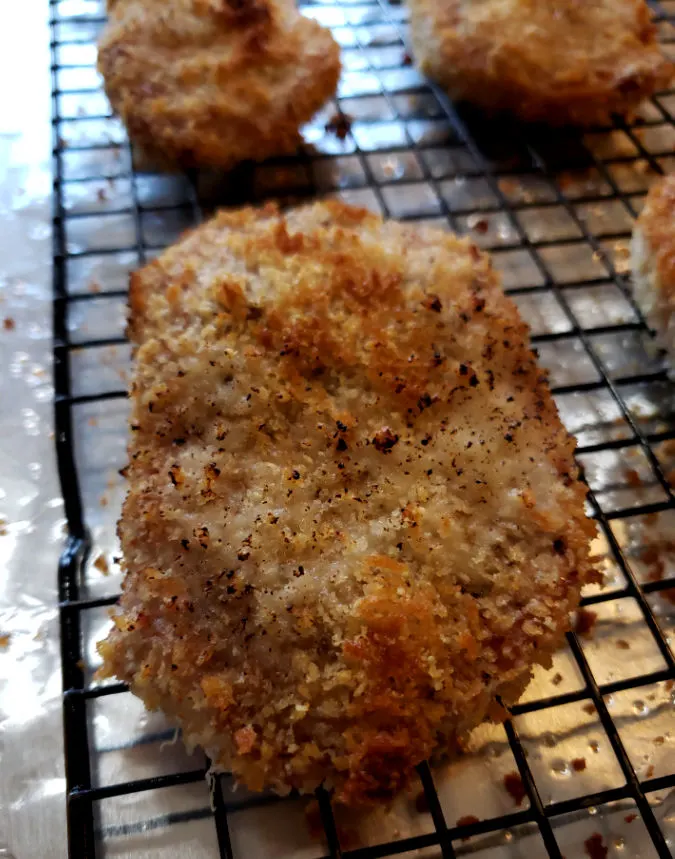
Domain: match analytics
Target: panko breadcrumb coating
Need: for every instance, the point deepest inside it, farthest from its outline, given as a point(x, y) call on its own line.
point(556, 61)
point(215, 82)
point(354, 519)
point(653, 260)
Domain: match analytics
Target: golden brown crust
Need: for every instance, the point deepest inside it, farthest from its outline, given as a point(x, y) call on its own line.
point(556, 61)
point(653, 259)
point(354, 518)
point(215, 82)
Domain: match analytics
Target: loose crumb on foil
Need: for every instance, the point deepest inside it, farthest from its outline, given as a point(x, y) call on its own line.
point(101, 564)
point(467, 820)
point(595, 847)
point(339, 124)
point(585, 622)
point(515, 787)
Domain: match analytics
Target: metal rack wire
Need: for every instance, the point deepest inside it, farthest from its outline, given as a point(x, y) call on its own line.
point(556, 211)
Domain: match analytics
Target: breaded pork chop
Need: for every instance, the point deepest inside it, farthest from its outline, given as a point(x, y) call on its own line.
point(653, 260)
point(556, 61)
point(354, 519)
point(215, 82)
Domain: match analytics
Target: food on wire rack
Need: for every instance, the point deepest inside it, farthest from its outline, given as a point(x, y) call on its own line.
point(653, 260)
point(556, 61)
point(354, 521)
point(215, 82)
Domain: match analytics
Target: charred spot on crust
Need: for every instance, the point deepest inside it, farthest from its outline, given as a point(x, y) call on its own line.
point(384, 440)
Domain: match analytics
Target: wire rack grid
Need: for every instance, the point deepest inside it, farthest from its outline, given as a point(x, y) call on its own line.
point(556, 210)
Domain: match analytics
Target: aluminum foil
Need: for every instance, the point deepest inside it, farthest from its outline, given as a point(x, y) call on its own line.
point(32, 783)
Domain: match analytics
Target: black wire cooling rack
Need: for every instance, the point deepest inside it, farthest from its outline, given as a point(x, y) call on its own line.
point(556, 209)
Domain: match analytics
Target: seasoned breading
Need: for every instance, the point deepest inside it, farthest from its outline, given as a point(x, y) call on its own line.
point(556, 61)
point(653, 260)
point(215, 82)
point(354, 520)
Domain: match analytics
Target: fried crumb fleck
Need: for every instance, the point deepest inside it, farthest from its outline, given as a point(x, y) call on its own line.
point(629, 818)
point(557, 679)
point(515, 787)
point(622, 644)
point(633, 478)
point(8, 323)
point(585, 622)
point(4, 641)
point(339, 124)
point(467, 820)
point(578, 764)
point(479, 225)
point(595, 847)
point(101, 564)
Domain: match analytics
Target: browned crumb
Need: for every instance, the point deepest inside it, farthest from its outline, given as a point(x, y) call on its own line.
point(668, 686)
point(595, 847)
point(659, 741)
point(579, 764)
point(339, 124)
point(4, 641)
point(633, 478)
point(585, 622)
point(650, 771)
point(467, 820)
point(101, 563)
point(103, 501)
point(515, 787)
point(557, 679)
point(622, 644)
point(629, 818)
point(407, 59)
point(479, 225)
point(9, 324)
point(589, 708)
point(101, 194)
